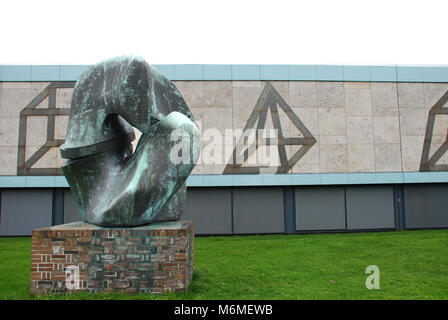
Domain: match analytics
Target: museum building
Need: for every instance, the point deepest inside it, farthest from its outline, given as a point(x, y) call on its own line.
point(355, 148)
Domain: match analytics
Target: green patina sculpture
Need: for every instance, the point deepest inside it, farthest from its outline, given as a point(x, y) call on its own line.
point(113, 186)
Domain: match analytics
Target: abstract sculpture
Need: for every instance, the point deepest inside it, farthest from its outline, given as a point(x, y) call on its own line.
point(113, 186)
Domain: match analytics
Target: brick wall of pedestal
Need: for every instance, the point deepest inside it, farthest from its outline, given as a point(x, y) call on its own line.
point(82, 257)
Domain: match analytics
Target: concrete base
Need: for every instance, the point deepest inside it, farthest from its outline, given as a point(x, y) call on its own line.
point(79, 256)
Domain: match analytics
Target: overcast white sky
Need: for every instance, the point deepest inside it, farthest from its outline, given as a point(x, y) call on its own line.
point(225, 32)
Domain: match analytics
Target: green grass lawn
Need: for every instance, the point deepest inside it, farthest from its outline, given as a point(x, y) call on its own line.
point(413, 265)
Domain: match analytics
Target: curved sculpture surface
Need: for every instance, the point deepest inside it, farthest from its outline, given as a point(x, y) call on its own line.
point(112, 185)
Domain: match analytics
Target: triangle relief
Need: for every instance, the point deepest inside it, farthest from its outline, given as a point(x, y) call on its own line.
point(273, 140)
point(434, 154)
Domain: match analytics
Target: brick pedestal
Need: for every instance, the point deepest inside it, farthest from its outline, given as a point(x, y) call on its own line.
point(83, 257)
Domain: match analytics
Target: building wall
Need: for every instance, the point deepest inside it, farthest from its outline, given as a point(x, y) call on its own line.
point(358, 126)
point(371, 141)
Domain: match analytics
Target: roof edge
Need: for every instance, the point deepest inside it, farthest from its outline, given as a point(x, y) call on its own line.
point(272, 72)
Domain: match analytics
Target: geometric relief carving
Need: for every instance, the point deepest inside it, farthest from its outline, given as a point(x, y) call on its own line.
point(267, 108)
point(430, 162)
point(36, 108)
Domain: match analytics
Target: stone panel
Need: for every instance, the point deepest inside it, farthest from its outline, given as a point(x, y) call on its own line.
point(51, 159)
point(9, 131)
point(309, 117)
point(192, 92)
point(303, 94)
point(384, 95)
point(332, 139)
point(361, 157)
point(440, 128)
point(386, 129)
point(332, 122)
point(358, 101)
point(330, 95)
point(217, 118)
point(282, 88)
point(410, 95)
point(8, 160)
point(245, 96)
point(387, 157)
point(217, 94)
point(16, 95)
point(433, 92)
point(36, 130)
point(64, 97)
point(413, 122)
point(411, 148)
point(309, 163)
point(359, 130)
point(60, 125)
point(333, 158)
point(385, 112)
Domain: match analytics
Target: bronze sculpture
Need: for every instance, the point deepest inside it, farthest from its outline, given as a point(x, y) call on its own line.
point(111, 185)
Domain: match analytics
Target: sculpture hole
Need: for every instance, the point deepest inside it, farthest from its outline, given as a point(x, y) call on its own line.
point(138, 134)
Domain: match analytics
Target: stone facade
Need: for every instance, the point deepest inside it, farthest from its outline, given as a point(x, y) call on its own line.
point(358, 126)
point(78, 256)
